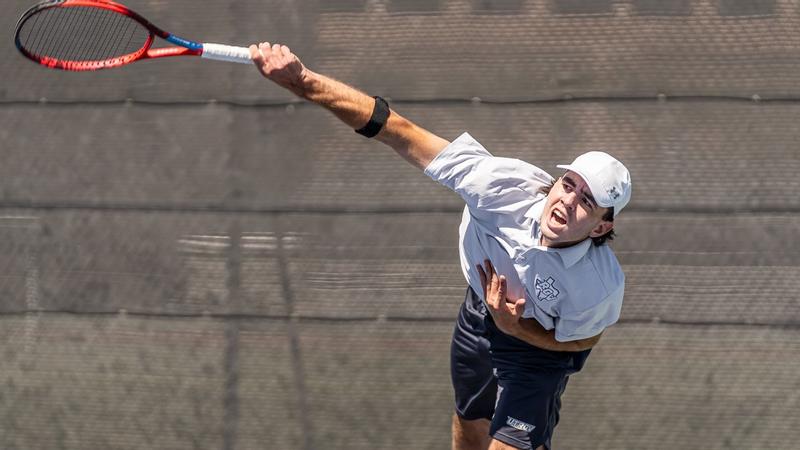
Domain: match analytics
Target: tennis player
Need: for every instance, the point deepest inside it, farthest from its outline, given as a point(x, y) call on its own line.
point(543, 284)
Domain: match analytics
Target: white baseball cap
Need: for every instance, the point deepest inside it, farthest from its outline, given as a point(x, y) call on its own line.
point(607, 178)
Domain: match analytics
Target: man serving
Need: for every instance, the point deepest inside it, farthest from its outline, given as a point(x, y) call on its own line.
point(543, 284)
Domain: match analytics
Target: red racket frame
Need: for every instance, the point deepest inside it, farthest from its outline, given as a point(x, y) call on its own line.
point(187, 48)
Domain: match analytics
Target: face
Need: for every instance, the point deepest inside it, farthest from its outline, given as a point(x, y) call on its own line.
point(571, 214)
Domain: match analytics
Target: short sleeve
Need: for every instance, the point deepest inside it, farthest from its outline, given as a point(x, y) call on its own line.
point(592, 321)
point(486, 182)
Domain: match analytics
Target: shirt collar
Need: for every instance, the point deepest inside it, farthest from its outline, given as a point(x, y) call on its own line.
point(572, 254)
point(569, 255)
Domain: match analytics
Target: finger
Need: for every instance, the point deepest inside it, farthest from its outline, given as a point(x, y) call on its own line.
point(489, 288)
point(482, 274)
point(491, 266)
point(489, 269)
point(265, 50)
point(495, 283)
point(285, 51)
point(518, 307)
point(493, 294)
point(276, 49)
point(255, 55)
point(500, 290)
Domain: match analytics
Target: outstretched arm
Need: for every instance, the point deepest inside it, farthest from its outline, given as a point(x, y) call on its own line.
point(353, 107)
point(507, 315)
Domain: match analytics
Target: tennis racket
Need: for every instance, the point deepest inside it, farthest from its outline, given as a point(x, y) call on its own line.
point(83, 35)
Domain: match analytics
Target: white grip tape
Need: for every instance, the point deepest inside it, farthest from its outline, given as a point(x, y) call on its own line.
point(228, 53)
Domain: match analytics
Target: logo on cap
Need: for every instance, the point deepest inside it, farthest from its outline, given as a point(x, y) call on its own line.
point(607, 178)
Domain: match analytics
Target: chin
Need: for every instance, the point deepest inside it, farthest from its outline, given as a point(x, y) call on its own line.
point(553, 236)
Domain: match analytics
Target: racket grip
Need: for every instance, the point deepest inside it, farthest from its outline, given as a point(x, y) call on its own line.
point(228, 53)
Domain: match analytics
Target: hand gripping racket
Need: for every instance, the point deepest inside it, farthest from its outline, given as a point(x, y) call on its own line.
point(85, 35)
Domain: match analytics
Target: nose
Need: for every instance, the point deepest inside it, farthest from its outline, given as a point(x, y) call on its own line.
point(569, 200)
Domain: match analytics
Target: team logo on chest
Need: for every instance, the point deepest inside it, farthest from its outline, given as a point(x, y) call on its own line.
point(546, 289)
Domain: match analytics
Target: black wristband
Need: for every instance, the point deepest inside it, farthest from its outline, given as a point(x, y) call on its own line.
point(379, 116)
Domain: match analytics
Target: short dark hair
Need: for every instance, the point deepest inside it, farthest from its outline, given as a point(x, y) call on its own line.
point(608, 217)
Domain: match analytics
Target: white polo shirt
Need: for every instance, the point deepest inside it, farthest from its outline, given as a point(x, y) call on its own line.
point(576, 290)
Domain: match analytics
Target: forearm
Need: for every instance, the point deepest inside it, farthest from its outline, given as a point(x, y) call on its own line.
point(530, 331)
point(353, 107)
point(350, 105)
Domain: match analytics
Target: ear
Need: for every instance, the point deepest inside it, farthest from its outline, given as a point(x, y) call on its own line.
point(601, 228)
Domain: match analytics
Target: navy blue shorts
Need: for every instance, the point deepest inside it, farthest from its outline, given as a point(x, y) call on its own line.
point(501, 378)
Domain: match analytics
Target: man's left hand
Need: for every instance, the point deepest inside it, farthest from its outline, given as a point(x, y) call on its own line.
point(505, 312)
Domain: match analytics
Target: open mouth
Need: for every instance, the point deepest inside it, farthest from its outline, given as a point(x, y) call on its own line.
point(558, 217)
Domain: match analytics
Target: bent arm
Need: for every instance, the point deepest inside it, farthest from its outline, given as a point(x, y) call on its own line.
point(353, 107)
point(507, 316)
point(530, 331)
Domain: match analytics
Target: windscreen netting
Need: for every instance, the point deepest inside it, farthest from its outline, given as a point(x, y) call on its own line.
point(193, 259)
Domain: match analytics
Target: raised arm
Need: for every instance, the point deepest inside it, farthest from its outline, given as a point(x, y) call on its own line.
point(353, 107)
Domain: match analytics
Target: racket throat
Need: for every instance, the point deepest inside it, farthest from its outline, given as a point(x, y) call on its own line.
point(184, 43)
point(172, 51)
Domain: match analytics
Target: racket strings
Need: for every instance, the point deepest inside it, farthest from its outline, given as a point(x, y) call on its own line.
point(65, 42)
point(34, 38)
point(80, 33)
point(72, 47)
point(111, 28)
